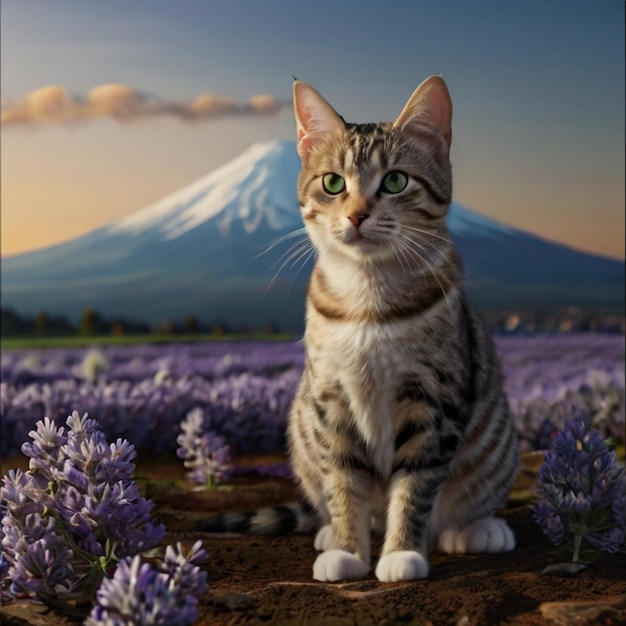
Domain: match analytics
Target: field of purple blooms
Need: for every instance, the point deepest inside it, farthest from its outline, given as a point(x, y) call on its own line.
point(78, 535)
point(142, 393)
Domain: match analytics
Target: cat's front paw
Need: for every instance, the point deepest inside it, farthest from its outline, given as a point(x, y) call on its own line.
point(401, 565)
point(325, 538)
point(486, 535)
point(334, 565)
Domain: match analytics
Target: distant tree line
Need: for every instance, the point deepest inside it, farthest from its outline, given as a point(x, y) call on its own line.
point(44, 324)
point(92, 323)
point(14, 324)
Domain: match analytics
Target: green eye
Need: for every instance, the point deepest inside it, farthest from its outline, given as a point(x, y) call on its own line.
point(333, 184)
point(394, 182)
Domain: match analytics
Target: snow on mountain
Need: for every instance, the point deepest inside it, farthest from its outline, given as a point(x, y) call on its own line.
point(257, 185)
point(195, 252)
point(463, 222)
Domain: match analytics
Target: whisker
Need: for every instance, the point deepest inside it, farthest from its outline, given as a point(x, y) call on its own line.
point(298, 254)
point(458, 244)
point(426, 234)
point(401, 255)
point(293, 233)
point(410, 253)
point(422, 241)
point(301, 248)
point(408, 245)
point(412, 245)
point(309, 253)
point(291, 250)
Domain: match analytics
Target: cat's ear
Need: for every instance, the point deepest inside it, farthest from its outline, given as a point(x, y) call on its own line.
point(315, 118)
point(428, 109)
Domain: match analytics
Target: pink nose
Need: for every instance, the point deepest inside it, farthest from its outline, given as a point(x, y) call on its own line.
point(358, 218)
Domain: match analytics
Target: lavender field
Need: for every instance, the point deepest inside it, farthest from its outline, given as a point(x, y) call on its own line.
point(142, 393)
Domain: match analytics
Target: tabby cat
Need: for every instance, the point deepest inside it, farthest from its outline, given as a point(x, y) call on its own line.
point(400, 424)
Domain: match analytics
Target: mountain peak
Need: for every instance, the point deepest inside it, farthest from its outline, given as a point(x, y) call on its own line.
point(193, 252)
point(258, 184)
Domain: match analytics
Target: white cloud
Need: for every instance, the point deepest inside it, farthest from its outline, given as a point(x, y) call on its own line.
point(53, 104)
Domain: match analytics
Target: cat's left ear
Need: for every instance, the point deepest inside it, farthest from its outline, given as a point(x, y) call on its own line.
point(315, 118)
point(428, 109)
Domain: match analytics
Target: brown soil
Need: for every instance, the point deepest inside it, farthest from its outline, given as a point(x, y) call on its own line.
point(268, 580)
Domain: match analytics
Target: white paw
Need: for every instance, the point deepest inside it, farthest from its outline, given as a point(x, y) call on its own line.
point(325, 538)
point(339, 565)
point(488, 534)
point(401, 565)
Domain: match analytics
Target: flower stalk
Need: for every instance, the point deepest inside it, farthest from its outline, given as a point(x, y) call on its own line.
point(207, 455)
point(578, 539)
point(582, 493)
point(69, 519)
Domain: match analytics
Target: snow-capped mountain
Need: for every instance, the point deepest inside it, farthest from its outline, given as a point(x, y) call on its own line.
point(197, 251)
point(258, 186)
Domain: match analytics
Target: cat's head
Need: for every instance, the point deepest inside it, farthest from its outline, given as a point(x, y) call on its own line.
point(375, 191)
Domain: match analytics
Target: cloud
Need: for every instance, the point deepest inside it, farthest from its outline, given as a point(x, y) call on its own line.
point(55, 105)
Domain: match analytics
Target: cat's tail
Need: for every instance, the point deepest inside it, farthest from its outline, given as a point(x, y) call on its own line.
point(278, 520)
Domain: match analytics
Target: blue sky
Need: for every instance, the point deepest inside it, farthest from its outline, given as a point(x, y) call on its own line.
point(537, 88)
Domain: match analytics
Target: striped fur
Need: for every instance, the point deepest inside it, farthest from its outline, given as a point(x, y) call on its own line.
point(400, 423)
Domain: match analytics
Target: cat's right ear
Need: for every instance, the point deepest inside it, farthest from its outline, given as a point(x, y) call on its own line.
point(428, 109)
point(315, 118)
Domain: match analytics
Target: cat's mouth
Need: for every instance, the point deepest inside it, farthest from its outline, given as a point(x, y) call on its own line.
point(364, 243)
point(356, 238)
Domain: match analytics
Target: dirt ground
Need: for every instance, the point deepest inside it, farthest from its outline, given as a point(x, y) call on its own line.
point(268, 580)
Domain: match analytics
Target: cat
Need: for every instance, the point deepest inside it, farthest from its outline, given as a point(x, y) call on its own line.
point(400, 424)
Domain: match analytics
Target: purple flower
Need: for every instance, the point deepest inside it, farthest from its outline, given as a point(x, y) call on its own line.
point(582, 491)
point(44, 567)
point(207, 455)
point(247, 387)
point(47, 442)
point(140, 593)
point(4, 579)
point(74, 513)
point(547, 515)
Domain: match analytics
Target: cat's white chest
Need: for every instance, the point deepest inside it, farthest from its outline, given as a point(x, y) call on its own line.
point(367, 363)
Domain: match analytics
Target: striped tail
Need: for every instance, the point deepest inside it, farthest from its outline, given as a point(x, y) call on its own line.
point(279, 520)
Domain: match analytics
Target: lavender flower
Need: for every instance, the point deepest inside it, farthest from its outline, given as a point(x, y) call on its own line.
point(4, 573)
point(247, 388)
point(206, 454)
point(74, 513)
point(582, 491)
point(142, 594)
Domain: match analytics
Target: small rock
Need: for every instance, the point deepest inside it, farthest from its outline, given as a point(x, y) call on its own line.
point(574, 613)
point(237, 602)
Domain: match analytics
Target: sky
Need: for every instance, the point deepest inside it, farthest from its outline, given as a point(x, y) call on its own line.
point(108, 106)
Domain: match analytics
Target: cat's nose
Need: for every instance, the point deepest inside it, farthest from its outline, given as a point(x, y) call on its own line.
point(358, 218)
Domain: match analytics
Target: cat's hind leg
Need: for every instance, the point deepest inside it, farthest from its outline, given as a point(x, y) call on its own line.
point(477, 486)
point(325, 539)
point(466, 525)
point(485, 535)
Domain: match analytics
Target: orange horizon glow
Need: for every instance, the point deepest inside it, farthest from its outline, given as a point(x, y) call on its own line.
point(61, 217)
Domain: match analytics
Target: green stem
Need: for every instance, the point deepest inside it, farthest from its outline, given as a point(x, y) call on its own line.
point(577, 541)
point(95, 562)
point(210, 482)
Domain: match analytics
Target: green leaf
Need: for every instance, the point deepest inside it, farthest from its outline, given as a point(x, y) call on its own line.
point(564, 569)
